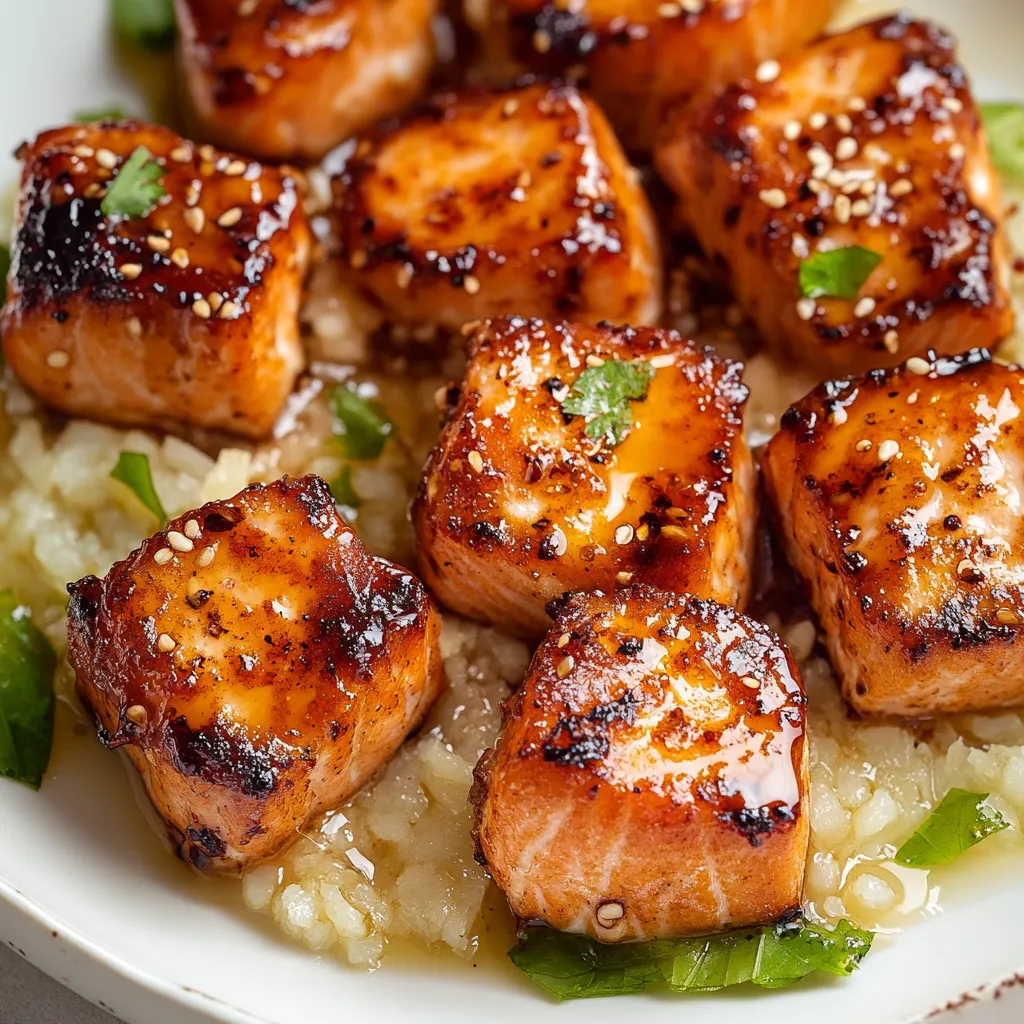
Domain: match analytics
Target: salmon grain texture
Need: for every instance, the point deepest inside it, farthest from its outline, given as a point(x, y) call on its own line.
point(256, 665)
point(898, 498)
point(520, 501)
point(289, 81)
point(650, 778)
point(185, 315)
point(483, 202)
point(867, 138)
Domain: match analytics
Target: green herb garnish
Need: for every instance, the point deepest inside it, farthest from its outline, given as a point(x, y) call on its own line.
point(838, 274)
point(344, 494)
point(603, 394)
point(577, 967)
point(1004, 123)
point(100, 114)
point(363, 425)
point(132, 470)
point(961, 821)
point(145, 23)
point(136, 188)
point(27, 664)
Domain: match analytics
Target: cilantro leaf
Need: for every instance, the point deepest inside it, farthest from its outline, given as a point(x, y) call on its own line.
point(575, 966)
point(145, 23)
point(602, 394)
point(363, 425)
point(345, 494)
point(839, 273)
point(27, 664)
point(961, 820)
point(1005, 125)
point(136, 188)
point(132, 470)
point(111, 113)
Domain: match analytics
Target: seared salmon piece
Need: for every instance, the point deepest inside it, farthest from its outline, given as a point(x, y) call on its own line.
point(650, 777)
point(479, 203)
point(289, 81)
point(640, 57)
point(898, 497)
point(853, 199)
point(533, 490)
point(256, 664)
point(183, 311)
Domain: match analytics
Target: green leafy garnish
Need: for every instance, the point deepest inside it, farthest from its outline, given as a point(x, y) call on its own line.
point(27, 664)
point(111, 113)
point(344, 493)
point(838, 274)
point(961, 821)
point(132, 470)
point(145, 23)
point(576, 967)
point(136, 188)
point(363, 426)
point(1004, 123)
point(602, 394)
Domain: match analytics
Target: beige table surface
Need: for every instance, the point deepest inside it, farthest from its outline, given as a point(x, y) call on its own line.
point(28, 996)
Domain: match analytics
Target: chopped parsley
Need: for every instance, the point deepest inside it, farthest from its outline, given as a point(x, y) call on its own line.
point(838, 274)
point(135, 190)
point(345, 495)
point(145, 23)
point(1005, 125)
point(363, 426)
point(110, 113)
point(576, 967)
point(961, 820)
point(27, 664)
point(133, 471)
point(603, 394)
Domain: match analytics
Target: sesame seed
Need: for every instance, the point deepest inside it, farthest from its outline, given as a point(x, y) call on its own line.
point(564, 639)
point(509, 108)
point(842, 208)
point(912, 397)
point(181, 154)
point(767, 71)
point(195, 218)
point(791, 130)
point(888, 450)
point(179, 541)
point(192, 530)
point(773, 197)
point(201, 308)
point(891, 341)
point(957, 151)
point(179, 258)
point(206, 557)
point(165, 642)
point(134, 326)
point(130, 270)
point(815, 186)
point(846, 148)
point(806, 308)
point(565, 666)
point(673, 532)
point(235, 167)
point(624, 535)
point(105, 158)
point(83, 151)
point(593, 361)
point(136, 714)
point(158, 243)
point(246, 7)
point(93, 190)
point(817, 120)
point(919, 366)
point(163, 556)
point(476, 461)
point(609, 914)
point(207, 152)
point(1006, 617)
point(843, 123)
point(865, 307)
point(692, 6)
point(358, 259)
point(623, 577)
point(750, 682)
point(216, 300)
point(541, 41)
point(193, 587)
point(229, 311)
point(838, 416)
point(861, 207)
point(857, 104)
point(863, 445)
point(837, 178)
point(869, 187)
point(669, 10)
point(404, 275)
point(953, 104)
point(229, 218)
point(471, 284)
point(643, 532)
point(58, 359)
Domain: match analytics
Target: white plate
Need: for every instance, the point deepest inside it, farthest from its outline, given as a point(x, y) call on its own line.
point(87, 894)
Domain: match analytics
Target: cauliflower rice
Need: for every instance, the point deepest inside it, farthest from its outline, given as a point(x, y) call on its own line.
point(395, 865)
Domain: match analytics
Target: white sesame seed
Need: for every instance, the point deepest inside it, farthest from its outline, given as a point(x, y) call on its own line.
point(246, 7)
point(205, 557)
point(912, 397)
point(541, 41)
point(891, 341)
point(857, 104)
point(158, 243)
point(235, 167)
point(773, 197)
point(888, 450)
point(564, 639)
point(846, 148)
point(471, 284)
point(105, 158)
point(192, 530)
point(180, 258)
point(181, 154)
point(130, 270)
point(841, 208)
point(767, 71)
point(669, 10)
point(623, 577)
point(207, 152)
point(476, 461)
point(593, 361)
point(817, 120)
point(838, 416)
point(134, 326)
point(202, 309)
point(692, 6)
point(229, 218)
point(58, 359)
point(165, 642)
point(750, 682)
point(791, 130)
point(229, 311)
point(609, 914)
point(865, 307)
point(404, 276)
point(919, 366)
point(806, 308)
point(565, 666)
point(136, 714)
point(509, 108)
point(163, 556)
point(623, 535)
point(216, 300)
point(179, 541)
point(837, 178)
point(195, 218)
point(83, 151)
point(843, 123)
point(957, 151)
point(861, 207)
point(953, 104)
point(864, 445)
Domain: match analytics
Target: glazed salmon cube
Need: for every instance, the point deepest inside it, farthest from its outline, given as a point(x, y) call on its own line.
point(528, 494)
point(898, 501)
point(256, 664)
point(481, 203)
point(289, 81)
point(183, 311)
point(650, 777)
point(852, 197)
